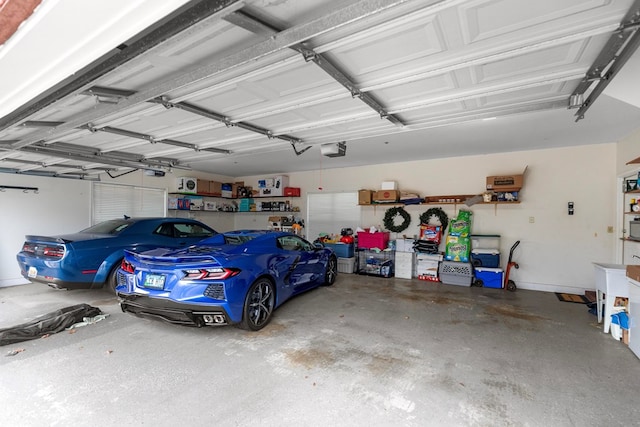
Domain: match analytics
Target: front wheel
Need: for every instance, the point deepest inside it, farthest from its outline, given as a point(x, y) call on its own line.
point(331, 273)
point(258, 305)
point(511, 285)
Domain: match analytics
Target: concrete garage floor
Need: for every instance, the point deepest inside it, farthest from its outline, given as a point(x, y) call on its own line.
point(368, 351)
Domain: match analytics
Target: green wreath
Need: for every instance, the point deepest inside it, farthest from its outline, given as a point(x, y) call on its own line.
point(425, 217)
point(390, 216)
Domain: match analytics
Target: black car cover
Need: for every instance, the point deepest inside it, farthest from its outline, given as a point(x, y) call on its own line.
point(49, 323)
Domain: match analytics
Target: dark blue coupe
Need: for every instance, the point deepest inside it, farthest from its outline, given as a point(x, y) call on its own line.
point(238, 278)
point(91, 257)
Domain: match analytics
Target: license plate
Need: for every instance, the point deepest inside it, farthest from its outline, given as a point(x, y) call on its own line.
point(154, 281)
point(33, 272)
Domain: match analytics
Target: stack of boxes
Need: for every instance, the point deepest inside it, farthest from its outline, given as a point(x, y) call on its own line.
point(485, 257)
point(373, 258)
point(346, 256)
point(404, 258)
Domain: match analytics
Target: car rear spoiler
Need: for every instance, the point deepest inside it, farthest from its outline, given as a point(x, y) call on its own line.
point(171, 259)
point(33, 238)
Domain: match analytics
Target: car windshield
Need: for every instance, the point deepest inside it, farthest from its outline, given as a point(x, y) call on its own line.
point(114, 226)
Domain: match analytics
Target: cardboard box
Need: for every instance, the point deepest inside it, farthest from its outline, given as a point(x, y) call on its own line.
point(187, 185)
point(512, 182)
point(172, 203)
point(633, 272)
point(265, 183)
point(210, 205)
point(196, 203)
point(292, 191)
point(386, 196)
point(266, 192)
point(215, 188)
point(365, 197)
point(389, 185)
point(507, 196)
point(203, 186)
point(226, 190)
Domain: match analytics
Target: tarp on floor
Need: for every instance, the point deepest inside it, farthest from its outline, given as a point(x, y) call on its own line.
point(49, 323)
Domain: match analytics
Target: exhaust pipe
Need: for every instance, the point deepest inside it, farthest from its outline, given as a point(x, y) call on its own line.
point(214, 319)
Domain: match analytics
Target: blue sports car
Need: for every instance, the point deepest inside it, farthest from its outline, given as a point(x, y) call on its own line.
point(238, 278)
point(90, 258)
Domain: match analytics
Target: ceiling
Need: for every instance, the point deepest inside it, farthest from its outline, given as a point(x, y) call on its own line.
point(257, 87)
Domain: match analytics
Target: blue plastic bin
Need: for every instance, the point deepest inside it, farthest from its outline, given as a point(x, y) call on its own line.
point(342, 250)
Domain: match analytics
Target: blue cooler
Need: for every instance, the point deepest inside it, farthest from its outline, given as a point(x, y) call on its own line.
point(485, 258)
point(490, 277)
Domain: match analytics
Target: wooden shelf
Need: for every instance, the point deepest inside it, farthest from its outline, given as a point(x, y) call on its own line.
point(634, 161)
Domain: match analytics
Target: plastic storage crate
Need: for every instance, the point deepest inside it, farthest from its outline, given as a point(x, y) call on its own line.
point(456, 273)
point(379, 240)
point(376, 263)
point(346, 265)
point(342, 250)
point(489, 277)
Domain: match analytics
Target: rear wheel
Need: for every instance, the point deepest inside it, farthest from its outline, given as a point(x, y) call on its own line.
point(258, 305)
point(331, 273)
point(511, 285)
point(112, 280)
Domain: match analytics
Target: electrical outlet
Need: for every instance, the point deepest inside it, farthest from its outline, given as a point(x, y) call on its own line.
point(532, 220)
point(610, 229)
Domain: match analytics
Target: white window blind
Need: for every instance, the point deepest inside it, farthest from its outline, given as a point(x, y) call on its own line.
point(331, 212)
point(112, 201)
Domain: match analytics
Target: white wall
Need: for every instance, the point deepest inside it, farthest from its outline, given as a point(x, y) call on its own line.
point(60, 206)
point(556, 250)
point(64, 206)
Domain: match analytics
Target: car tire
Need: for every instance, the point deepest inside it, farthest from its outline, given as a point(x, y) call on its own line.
point(112, 280)
point(258, 305)
point(331, 272)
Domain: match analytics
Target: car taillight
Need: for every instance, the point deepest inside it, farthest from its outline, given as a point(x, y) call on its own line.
point(210, 273)
point(29, 247)
point(53, 251)
point(126, 266)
